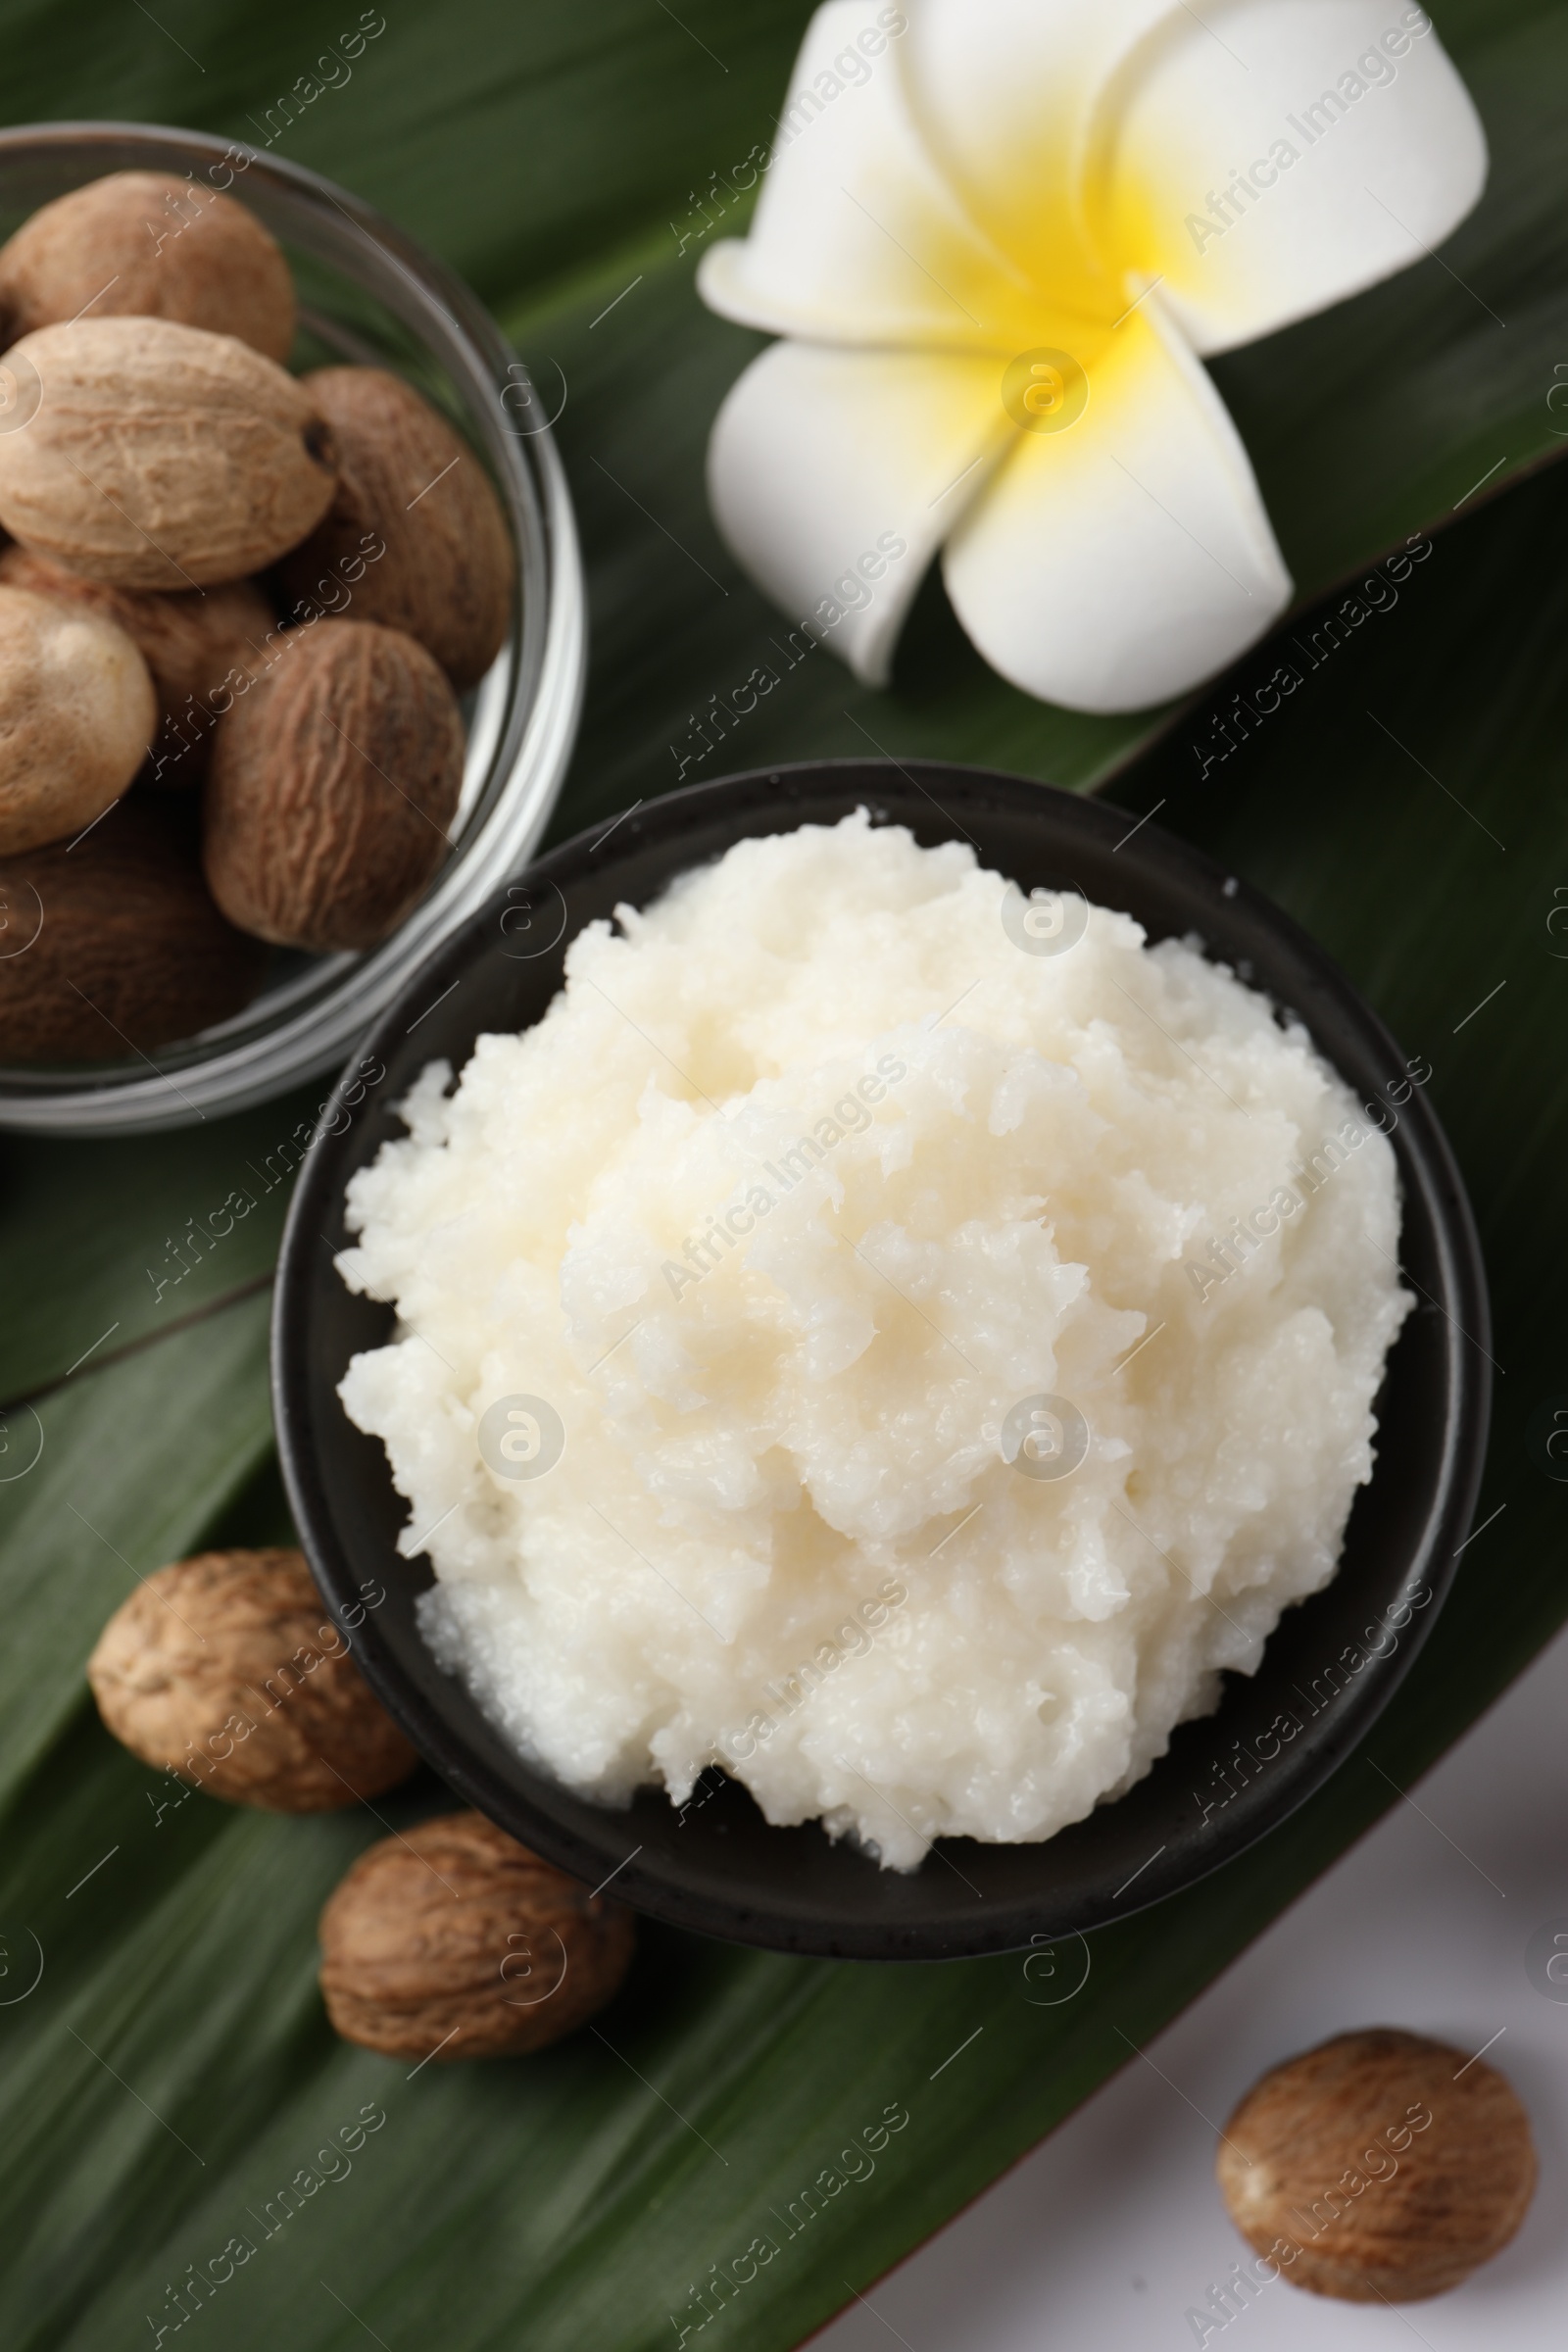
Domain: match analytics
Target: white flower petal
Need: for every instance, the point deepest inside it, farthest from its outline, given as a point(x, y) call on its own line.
point(1358, 160)
point(835, 474)
point(961, 195)
point(857, 237)
point(1127, 558)
point(1009, 95)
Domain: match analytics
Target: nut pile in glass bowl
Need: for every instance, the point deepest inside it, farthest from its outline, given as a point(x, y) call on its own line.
point(352, 592)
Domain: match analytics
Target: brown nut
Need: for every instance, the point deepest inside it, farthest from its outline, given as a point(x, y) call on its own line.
point(197, 643)
point(1378, 2167)
point(77, 711)
point(147, 243)
point(333, 781)
point(227, 1670)
point(158, 456)
point(114, 946)
point(455, 1941)
point(407, 480)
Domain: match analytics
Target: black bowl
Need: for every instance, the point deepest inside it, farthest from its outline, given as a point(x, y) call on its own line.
point(717, 1866)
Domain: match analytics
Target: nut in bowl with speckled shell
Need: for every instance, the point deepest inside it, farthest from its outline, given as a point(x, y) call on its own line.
point(331, 789)
point(208, 461)
point(149, 244)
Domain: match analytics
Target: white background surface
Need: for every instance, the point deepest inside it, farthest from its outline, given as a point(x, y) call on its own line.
point(1110, 2232)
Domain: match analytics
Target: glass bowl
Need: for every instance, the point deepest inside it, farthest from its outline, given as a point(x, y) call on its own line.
point(367, 294)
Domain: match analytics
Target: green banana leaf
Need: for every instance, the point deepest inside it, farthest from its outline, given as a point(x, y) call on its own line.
point(173, 2099)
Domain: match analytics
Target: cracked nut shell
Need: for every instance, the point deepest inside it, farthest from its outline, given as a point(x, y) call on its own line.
point(333, 782)
point(447, 572)
point(158, 456)
point(77, 713)
point(453, 1940)
point(227, 1669)
point(115, 945)
point(1378, 2167)
point(194, 642)
point(146, 243)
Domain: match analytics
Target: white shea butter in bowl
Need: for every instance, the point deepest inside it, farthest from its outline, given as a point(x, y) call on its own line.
point(892, 1338)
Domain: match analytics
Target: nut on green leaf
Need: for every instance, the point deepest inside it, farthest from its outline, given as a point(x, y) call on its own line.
point(455, 1941)
point(226, 1669)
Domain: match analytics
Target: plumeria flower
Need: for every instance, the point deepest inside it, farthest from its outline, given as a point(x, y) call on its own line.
point(997, 238)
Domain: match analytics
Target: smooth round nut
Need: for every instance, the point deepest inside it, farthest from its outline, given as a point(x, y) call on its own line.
point(198, 643)
point(227, 1670)
point(446, 574)
point(114, 946)
point(1378, 2167)
point(333, 782)
point(455, 1941)
point(77, 711)
point(158, 456)
point(146, 243)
